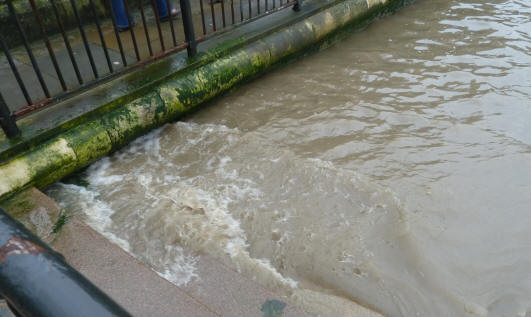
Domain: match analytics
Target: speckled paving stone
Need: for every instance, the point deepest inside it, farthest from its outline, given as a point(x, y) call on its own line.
point(35, 211)
point(130, 283)
point(231, 294)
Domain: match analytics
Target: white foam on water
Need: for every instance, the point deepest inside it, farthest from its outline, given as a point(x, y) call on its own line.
point(80, 200)
point(326, 236)
point(181, 268)
point(297, 226)
point(195, 219)
point(178, 265)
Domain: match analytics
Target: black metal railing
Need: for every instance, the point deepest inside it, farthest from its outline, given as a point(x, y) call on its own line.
point(37, 281)
point(52, 49)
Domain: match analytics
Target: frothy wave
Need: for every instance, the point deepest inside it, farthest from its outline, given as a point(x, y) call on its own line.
point(300, 226)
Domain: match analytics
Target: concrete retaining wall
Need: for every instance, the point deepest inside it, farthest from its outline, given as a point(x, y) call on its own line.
point(81, 145)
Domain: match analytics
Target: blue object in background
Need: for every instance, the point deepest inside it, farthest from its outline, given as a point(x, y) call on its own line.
point(121, 17)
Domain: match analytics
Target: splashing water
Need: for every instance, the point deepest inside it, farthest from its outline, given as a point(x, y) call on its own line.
point(392, 169)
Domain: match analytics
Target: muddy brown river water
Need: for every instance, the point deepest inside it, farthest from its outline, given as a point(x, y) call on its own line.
point(392, 169)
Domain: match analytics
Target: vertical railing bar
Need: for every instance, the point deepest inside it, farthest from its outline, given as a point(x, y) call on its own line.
point(232, 10)
point(258, 7)
point(7, 120)
point(143, 16)
point(84, 37)
point(67, 42)
point(28, 49)
point(48, 45)
point(14, 69)
point(170, 19)
point(297, 5)
point(250, 9)
point(241, 10)
point(117, 34)
point(129, 22)
point(188, 26)
point(213, 14)
point(266, 5)
point(100, 33)
point(223, 13)
point(157, 19)
point(274, 4)
point(202, 16)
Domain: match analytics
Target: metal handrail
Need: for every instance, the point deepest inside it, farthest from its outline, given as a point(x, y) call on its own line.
point(37, 281)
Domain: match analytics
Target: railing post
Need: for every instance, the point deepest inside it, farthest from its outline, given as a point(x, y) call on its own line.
point(297, 5)
point(188, 26)
point(7, 120)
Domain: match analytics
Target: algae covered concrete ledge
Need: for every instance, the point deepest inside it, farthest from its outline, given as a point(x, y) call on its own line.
point(165, 102)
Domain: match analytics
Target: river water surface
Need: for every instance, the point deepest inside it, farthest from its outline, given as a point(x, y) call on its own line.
point(392, 169)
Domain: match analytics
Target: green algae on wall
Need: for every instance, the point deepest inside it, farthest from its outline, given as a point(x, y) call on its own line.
point(19, 205)
point(166, 102)
point(36, 212)
point(55, 159)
